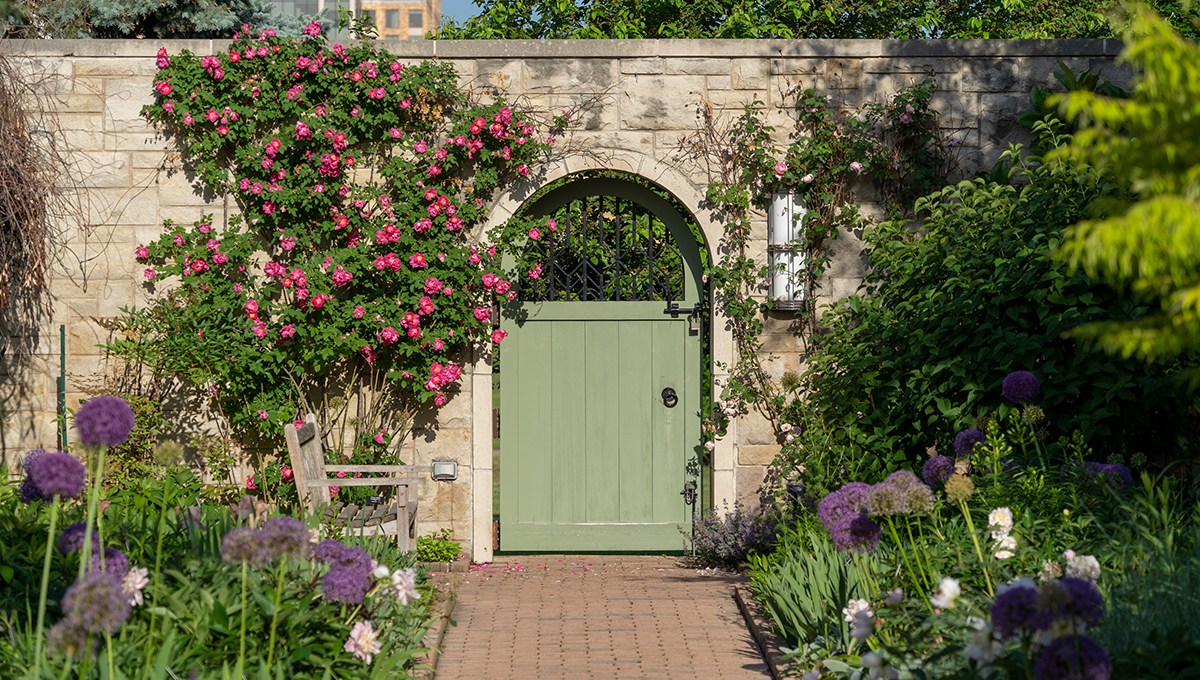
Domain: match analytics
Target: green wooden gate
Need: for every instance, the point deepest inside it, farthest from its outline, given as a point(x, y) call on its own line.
point(595, 448)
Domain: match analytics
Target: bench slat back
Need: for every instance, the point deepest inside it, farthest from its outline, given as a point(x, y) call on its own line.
point(307, 453)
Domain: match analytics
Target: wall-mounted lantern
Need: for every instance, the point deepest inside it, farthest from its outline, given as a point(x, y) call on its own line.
point(784, 224)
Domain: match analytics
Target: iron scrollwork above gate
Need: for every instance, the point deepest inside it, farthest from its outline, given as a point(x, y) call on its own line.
point(601, 248)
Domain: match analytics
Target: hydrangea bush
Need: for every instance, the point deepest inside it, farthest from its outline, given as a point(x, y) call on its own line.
point(351, 269)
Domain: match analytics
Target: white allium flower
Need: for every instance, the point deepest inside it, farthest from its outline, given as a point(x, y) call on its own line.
point(855, 606)
point(381, 571)
point(1005, 547)
point(404, 582)
point(363, 641)
point(1000, 521)
point(1084, 566)
point(136, 579)
point(947, 592)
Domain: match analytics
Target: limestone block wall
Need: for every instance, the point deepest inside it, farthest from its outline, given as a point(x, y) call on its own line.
point(643, 97)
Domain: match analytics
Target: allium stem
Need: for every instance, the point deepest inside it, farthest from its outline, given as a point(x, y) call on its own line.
point(41, 617)
point(162, 512)
point(978, 551)
point(275, 611)
point(85, 555)
point(242, 641)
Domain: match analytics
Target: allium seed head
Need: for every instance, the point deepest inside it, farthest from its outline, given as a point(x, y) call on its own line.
point(1020, 387)
point(97, 603)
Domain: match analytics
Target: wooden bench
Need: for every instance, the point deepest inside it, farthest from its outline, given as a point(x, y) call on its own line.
point(313, 476)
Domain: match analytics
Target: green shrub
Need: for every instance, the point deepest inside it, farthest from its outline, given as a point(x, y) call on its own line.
point(952, 304)
point(437, 547)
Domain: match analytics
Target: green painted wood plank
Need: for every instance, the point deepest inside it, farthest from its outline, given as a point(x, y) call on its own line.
point(567, 421)
point(602, 430)
point(669, 452)
point(590, 537)
point(533, 402)
point(639, 397)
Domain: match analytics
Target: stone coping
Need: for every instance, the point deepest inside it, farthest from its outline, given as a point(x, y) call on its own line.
point(619, 49)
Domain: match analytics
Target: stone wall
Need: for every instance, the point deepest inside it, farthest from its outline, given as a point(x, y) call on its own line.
point(644, 96)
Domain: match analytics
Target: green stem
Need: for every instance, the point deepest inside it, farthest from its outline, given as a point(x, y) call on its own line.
point(85, 555)
point(978, 551)
point(67, 668)
point(275, 611)
point(162, 513)
point(108, 648)
point(41, 616)
point(242, 642)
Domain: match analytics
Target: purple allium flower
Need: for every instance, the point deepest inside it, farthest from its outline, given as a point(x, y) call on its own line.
point(1014, 608)
point(284, 537)
point(900, 493)
point(339, 555)
point(844, 503)
point(1074, 599)
point(1117, 475)
point(346, 584)
point(1073, 657)
point(52, 475)
point(965, 441)
point(1020, 387)
point(857, 533)
point(28, 491)
point(97, 603)
point(71, 539)
point(937, 469)
point(115, 562)
point(104, 421)
point(68, 639)
point(243, 544)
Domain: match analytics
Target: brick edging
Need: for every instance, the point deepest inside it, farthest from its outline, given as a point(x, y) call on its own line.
point(765, 639)
point(428, 662)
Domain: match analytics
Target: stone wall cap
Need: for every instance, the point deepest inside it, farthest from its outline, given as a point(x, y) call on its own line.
point(619, 49)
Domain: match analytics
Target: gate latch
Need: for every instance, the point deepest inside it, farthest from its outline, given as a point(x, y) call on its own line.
point(689, 492)
point(675, 310)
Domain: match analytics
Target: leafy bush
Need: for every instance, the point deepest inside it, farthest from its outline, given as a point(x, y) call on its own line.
point(437, 547)
point(726, 540)
point(951, 305)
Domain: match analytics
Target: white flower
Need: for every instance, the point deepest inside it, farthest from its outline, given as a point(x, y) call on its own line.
point(983, 648)
point(785, 428)
point(862, 626)
point(404, 582)
point(808, 179)
point(136, 579)
point(1084, 566)
point(856, 166)
point(1000, 521)
point(381, 571)
point(855, 606)
point(709, 446)
point(363, 641)
point(947, 592)
point(1005, 547)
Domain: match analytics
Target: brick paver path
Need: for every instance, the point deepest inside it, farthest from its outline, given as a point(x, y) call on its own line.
point(577, 616)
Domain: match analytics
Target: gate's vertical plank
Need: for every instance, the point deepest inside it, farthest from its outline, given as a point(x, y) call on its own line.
point(639, 395)
point(565, 454)
point(669, 450)
point(535, 345)
point(603, 431)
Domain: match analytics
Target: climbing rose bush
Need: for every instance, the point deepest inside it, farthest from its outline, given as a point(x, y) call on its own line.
point(359, 179)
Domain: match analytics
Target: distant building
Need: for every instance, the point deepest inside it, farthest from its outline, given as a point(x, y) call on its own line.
point(403, 19)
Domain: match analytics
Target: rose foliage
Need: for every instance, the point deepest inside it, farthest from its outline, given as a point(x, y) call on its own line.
point(351, 270)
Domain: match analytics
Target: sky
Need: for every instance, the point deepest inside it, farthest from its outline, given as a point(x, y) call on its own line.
point(459, 10)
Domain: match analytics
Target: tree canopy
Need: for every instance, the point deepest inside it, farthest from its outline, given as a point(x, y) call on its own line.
point(1148, 246)
point(794, 19)
point(162, 19)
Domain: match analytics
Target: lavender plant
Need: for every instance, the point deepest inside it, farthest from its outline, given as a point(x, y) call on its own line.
point(725, 540)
